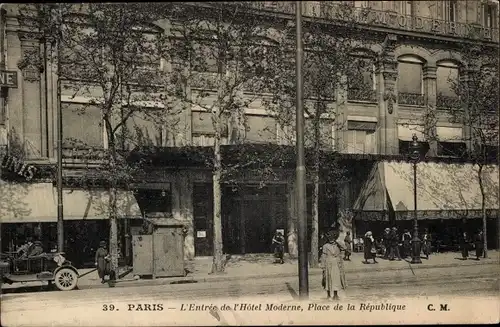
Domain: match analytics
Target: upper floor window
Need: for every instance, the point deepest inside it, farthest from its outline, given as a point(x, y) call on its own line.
point(450, 10)
point(447, 79)
point(361, 79)
point(388, 5)
point(406, 8)
point(362, 4)
point(488, 15)
point(410, 75)
point(361, 137)
point(82, 128)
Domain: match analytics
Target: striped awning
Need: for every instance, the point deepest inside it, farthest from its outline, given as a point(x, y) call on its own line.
point(443, 190)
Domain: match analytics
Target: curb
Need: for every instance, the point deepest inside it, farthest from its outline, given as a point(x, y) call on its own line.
point(312, 272)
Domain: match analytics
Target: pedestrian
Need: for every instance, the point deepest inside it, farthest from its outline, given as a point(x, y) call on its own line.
point(279, 246)
point(394, 244)
point(386, 242)
point(347, 242)
point(479, 243)
point(406, 244)
point(333, 267)
point(101, 261)
point(464, 245)
point(427, 243)
point(369, 249)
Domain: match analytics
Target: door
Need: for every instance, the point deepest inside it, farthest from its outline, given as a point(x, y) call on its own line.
point(203, 219)
point(257, 225)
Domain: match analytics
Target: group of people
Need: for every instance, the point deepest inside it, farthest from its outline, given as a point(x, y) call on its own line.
point(30, 248)
point(394, 246)
point(466, 243)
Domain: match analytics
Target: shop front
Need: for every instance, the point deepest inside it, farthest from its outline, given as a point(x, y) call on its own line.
point(449, 199)
point(29, 210)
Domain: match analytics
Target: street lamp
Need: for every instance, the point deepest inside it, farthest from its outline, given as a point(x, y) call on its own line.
point(415, 157)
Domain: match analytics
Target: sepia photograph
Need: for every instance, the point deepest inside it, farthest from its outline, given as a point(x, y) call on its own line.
point(249, 163)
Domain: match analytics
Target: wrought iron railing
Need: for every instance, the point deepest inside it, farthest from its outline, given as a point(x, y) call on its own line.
point(447, 102)
point(388, 19)
point(368, 95)
point(412, 99)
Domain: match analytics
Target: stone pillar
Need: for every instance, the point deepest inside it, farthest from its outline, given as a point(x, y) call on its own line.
point(31, 66)
point(388, 109)
point(182, 209)
point(430, 118)
point(292, 220)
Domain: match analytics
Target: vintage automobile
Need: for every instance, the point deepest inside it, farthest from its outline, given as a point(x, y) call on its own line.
point(46, 267)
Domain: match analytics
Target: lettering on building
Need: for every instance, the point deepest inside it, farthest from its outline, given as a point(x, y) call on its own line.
point(19, 167)
point(420, 24)
point(8, 79)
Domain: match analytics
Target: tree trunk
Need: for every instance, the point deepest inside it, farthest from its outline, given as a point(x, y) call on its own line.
point(315, 222)
point(315, 197)
point(218, 264)
point(483, 210)
point(113, 229)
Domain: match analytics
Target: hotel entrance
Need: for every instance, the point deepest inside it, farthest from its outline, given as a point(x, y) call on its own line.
point(253, 218)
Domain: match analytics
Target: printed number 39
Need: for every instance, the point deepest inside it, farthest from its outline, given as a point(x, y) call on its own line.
point(106, 307)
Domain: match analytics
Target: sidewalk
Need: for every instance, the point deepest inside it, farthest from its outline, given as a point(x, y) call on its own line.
point(259, 265)
point(254, 266)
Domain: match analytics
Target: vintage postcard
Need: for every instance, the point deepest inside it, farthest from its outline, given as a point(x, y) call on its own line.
point(249, 163)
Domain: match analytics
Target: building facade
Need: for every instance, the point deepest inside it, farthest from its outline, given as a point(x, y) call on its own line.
point(412, 66)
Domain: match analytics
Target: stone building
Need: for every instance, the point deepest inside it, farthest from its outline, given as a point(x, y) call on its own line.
point(415, 56)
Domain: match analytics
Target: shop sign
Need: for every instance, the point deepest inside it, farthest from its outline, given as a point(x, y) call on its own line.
point(424, 25)
point(8, 79)
point(19, 167)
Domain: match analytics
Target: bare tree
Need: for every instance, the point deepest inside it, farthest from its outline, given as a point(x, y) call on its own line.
point(222, 64)
point(111, 55)
point(475, 107)
point(329, 65)
point(478, 94)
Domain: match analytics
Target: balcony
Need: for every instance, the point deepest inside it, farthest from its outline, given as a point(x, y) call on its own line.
point(411, 99)
point(365, 95)
point(385, 19)
point(444, 102)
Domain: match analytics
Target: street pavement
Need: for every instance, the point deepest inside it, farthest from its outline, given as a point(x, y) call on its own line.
point(386, 285)
point(262, 265)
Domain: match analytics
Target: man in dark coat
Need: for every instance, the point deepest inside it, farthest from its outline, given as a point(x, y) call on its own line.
point(464, 245)
point(386, 239)
point(102, 261)
point(479, 244)
point(394, 243)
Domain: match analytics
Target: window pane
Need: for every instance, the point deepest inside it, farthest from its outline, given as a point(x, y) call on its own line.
point(410, 78)
point(260, 129)
point(447, 77)
point(81, 125)
point(154, 202)
point(143, 130)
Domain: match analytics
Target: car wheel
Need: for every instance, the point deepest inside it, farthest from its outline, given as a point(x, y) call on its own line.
point(66, 279)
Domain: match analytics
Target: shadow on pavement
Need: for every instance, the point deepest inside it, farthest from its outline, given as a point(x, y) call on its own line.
point(293, 293)
point(29, 289)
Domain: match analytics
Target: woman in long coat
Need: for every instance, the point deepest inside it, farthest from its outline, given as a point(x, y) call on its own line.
point(369, 248)
point(101, 261)
point(333, 267)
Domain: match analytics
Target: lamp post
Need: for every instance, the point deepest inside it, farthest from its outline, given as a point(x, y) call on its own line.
point(415, 157)
point(301, 167)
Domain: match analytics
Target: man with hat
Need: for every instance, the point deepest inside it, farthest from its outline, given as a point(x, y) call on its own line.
point(101, 261)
